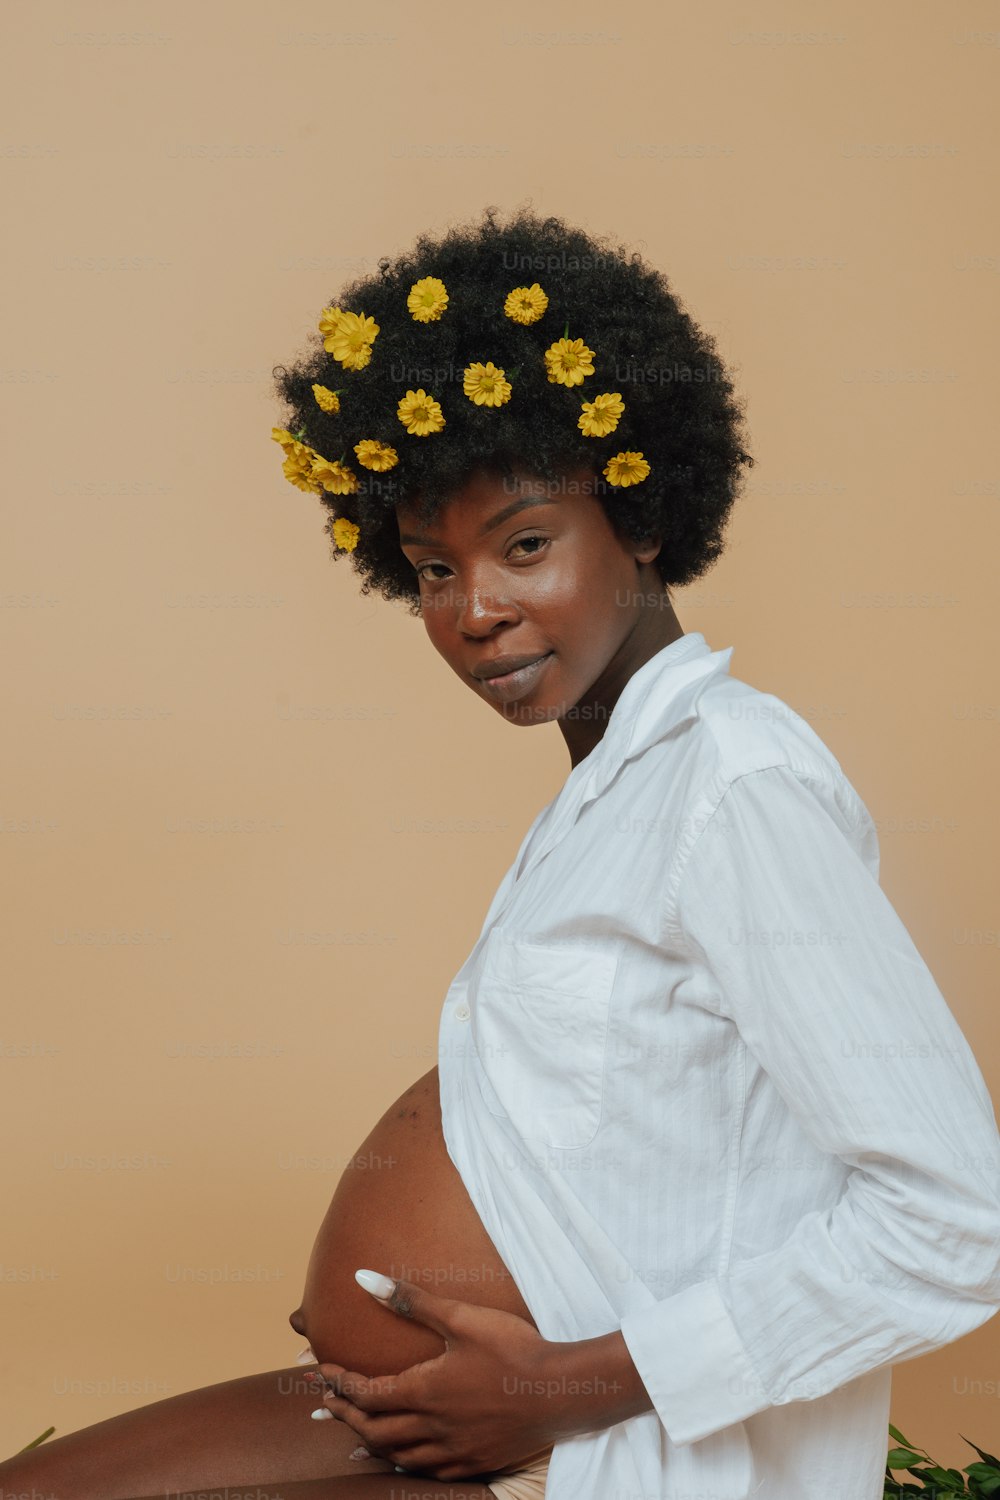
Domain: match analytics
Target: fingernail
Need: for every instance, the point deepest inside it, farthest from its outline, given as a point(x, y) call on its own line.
point(374, 1282)
point(360, 1452)
point(321, 1414)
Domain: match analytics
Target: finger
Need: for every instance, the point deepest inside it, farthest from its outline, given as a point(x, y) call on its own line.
point(324, 1377)
point(385, 1436)
point(395, 1434)
point(411, 1301)
point(367, 1393)
point(342, 1382)
point(434, 1461)
point(341, 1408)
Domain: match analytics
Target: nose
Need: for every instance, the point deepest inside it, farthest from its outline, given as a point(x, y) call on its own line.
point(480, 607)
point(298, 1322)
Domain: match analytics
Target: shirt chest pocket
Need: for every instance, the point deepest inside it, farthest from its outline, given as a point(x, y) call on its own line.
point(540, 1018)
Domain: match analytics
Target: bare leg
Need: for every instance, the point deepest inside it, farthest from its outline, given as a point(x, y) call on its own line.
point(361, 1487)
point(255, 1430)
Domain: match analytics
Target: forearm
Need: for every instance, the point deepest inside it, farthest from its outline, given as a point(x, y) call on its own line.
point(589, 1384)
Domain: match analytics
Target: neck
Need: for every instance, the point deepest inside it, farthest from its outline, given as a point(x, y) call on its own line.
point(654, 628)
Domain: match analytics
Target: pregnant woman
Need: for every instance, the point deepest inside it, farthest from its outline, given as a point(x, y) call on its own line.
point(658, 1222)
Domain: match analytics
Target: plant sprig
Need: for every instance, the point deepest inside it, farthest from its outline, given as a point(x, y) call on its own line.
point(980, 1481)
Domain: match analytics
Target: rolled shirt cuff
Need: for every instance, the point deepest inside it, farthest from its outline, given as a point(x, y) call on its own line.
point(693, 1363)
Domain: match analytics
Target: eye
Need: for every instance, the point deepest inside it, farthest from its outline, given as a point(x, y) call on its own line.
point(419, 568)
point(522, 539)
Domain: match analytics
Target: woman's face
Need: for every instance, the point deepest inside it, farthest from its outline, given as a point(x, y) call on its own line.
point(518, 573)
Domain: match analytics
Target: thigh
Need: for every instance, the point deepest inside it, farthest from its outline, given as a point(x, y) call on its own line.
point(256, 1429)
point(361, 1487)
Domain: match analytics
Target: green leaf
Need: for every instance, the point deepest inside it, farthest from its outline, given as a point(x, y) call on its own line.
point(987, 1458)
point(944, 1480)
point(913, 1447)
point(901, 1458)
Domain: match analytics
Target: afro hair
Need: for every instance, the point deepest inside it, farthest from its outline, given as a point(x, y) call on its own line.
point(680, 411)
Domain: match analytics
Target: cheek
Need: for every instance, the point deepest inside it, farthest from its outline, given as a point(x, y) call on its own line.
point(434, 621)
point(439, 616)
point(563, 589)
point(591, 592)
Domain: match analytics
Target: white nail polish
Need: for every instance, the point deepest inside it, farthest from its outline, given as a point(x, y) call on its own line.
point(373, 1281)
point(322, 1414)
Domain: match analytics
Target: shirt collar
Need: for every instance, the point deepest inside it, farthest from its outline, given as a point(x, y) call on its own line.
point(659, 696)
point(654, 701)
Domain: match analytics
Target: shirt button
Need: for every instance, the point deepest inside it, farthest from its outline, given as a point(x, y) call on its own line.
point(462, 1012)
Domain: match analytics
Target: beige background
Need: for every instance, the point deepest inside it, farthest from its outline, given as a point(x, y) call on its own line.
point(234, 795)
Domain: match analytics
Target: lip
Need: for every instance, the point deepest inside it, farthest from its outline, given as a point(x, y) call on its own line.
point(505, 664)
point(506, 687)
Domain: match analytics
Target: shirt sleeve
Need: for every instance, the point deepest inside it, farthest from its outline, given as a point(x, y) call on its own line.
point(860, 1044)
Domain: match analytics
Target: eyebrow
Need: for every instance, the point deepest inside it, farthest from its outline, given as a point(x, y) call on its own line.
point(501, 515)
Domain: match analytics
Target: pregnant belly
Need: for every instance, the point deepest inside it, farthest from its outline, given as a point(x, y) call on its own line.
point(400, 1208)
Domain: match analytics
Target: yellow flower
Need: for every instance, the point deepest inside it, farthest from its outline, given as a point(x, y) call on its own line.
point(601, 415)
point(328, 400)
point(345, 534)
point(298, 467)
point(427, 300)
point(420, 413)
point(328, 320)
point(568, 361)
point(626, 468)
point(351, 340)
point(285, 438)
point(375, 455)
point(335, 476)
point(525, 304)
point(486, 385)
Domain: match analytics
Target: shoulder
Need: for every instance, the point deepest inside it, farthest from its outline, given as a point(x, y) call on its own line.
point(738, 731)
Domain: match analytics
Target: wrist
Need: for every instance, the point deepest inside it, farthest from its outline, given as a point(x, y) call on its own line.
point(590, 1384)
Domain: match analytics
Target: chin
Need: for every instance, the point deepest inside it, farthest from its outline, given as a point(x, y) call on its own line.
point(526, 714)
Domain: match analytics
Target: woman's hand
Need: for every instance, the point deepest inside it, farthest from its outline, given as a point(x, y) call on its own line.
point(475, 1409)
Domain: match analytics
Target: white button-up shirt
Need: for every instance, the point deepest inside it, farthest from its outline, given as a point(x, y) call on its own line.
point(701, 1087)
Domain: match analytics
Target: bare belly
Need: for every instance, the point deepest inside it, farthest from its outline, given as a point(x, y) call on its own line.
point(400, 1208)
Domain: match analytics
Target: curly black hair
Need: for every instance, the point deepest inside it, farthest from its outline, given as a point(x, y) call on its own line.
point(681, 412)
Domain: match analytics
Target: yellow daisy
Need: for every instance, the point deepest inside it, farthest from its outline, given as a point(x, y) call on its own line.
point(351, 340)
point(486, 384)
point(328, 400)
point(568, 361)
point(525, 304)
point(601, 416)
point(419, 413)
point(335, 476)
point(427, 300)
point(626, 468)
point(284, 437)
point(345, 534)
point(298, 467)
point(375, 455)
point(328, 320)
